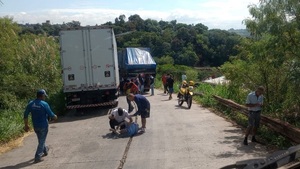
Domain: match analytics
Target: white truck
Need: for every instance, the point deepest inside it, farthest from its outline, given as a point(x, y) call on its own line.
point(89, 64)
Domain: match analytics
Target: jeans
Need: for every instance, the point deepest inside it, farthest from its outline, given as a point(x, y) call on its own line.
point(142, 89)
point(152, 89)
point(41, 134)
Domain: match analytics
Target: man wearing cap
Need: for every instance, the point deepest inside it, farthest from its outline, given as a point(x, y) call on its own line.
point(117, 118)
point(40, 111)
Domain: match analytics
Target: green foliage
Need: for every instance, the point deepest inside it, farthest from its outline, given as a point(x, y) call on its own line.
point(164, 60)
point(11, 125)
point(28, 62)
point(208, 91)
point(271, 58)
point(57, 102)
point(177, 71)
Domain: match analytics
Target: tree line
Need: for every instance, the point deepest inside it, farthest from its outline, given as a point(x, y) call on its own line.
point(169, 41)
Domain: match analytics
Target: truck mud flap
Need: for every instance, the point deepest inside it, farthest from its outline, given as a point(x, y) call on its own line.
point(112, 103)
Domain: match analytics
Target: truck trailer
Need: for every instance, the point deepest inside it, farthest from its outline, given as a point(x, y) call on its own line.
point(134, 61)
point(89, 62)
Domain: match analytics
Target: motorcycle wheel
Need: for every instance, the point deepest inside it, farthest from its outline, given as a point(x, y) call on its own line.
point(189, 101)
point(180, 100)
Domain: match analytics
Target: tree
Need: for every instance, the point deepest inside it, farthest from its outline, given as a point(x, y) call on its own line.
point(271, 58)
point(27, 62)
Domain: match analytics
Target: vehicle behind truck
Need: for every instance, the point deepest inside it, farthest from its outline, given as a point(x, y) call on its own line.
point(134, 61)
point(89, 63)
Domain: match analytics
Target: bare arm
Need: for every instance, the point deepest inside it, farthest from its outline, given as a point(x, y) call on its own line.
point(111, 117)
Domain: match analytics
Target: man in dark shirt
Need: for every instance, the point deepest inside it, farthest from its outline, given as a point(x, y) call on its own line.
point(170, 82)
point(143, 106)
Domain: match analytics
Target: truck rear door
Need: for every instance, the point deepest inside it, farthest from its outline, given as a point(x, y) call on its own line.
point(88, 61)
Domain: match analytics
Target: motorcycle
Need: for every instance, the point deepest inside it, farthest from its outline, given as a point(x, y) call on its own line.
point(186, 94)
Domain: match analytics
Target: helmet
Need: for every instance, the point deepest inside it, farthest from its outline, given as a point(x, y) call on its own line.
point(184, 82)
point(191, 83)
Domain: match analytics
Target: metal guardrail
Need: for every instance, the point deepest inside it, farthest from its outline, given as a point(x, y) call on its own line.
point(285, 129)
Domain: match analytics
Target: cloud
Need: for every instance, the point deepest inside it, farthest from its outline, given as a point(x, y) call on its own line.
point(222, 14)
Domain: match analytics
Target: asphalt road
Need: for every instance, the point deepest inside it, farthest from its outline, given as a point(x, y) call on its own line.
point(176, 138)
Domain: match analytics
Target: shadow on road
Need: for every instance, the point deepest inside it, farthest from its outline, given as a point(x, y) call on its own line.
point(236, 142)
point(182, 107)
point(20, 165)
point(121, 136)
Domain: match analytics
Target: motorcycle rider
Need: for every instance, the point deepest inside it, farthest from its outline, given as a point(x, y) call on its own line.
point(182, 87)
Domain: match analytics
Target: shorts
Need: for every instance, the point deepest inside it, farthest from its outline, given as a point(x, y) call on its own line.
point(171, 90)
point(145, 113)
point(254, 118)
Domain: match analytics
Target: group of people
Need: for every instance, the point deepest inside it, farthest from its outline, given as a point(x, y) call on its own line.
point(121, 119)
point(137, 84)
point(41, 112)
point(168, 83)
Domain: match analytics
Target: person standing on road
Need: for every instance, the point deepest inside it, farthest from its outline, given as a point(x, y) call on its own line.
point(40, 111)
point(170, 82)
point(130, 87)
point(152, 85)
point(141, 83)
point(164, 81)
point(143, 106)
point(117, 118)
point(254, 102)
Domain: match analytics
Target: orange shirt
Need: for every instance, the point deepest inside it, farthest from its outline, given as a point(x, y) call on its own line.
point(164, 79)
point(134, 88)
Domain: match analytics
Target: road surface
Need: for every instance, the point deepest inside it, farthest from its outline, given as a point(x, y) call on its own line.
point(175, 138)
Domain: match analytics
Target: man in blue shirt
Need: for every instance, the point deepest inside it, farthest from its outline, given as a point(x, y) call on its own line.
point(254, 103)
point(40, 111)
point(143, 106)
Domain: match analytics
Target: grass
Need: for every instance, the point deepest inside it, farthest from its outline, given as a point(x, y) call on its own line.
point(11, 125)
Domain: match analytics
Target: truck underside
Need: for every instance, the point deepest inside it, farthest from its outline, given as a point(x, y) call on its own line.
point(96, 98)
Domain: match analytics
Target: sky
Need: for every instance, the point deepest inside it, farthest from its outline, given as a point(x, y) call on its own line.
point(215, 14)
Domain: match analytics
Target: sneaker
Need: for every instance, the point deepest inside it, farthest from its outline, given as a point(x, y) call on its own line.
point(245, 142)
point(38, 160)
point(46, 151)
point(253, 139)
point(143, 130)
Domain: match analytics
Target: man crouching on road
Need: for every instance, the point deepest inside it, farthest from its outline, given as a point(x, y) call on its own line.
point(40, 111)
point(143, 106)
point(117, 118)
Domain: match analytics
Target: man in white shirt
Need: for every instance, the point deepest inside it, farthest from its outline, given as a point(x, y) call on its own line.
point(254, 103)
point(117, 118)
